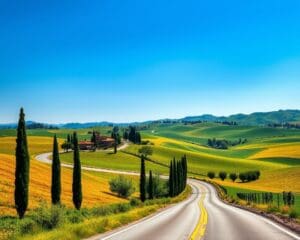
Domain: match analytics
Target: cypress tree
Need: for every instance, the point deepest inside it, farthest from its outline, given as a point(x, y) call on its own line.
point(150, 186)
point(56, 185)
point(179, 176)
point(76, 186)
point(22, 168)
point(171, 182)
point(175, 178)
point(143, 180)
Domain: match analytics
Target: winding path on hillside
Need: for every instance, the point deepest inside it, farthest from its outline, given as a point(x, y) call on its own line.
point(202, 216)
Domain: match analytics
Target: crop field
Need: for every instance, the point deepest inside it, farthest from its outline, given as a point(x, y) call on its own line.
point(273, 151)
point(95, 185)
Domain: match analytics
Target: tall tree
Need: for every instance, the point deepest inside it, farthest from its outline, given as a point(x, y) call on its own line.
point(56, 184)
point(174, 176)
point(171, 180)
point(143, 180)
point(150, 186)
point(76, 186)
point(22, 168)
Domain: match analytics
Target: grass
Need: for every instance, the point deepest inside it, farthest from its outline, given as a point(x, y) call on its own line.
point(232, 191)
point(60, 222)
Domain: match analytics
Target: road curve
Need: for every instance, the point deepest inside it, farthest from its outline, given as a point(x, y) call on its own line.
point(202, 216)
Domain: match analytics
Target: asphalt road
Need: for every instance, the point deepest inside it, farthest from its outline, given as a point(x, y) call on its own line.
point(202, 216)
point(220, 222)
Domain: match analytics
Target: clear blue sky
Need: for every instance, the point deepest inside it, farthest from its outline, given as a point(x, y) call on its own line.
point(137, 60)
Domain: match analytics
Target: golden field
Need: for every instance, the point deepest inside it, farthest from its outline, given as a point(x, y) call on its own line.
point(95, 186)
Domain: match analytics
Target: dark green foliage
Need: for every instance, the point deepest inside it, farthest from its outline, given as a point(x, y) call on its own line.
point(122, 186)
point(76, 186)
point(242, 177)
point(116, 137)
point(222, 175)
point(249, 176)
point(134, 136)
point(177, 176)
point(288, 198)
point(94, 139)
point(211, 175)
point(171, 181)
point(224, 144)
point(233, 176)
point(22, 168)
point(150, 186)
point(146, 151)
point(143, 180)
point(56, 184)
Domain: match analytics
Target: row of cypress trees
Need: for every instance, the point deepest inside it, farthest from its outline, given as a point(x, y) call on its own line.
point(177, 176)
point(23, 165)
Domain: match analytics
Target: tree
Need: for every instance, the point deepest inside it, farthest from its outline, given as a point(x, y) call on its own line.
point(175, 178)
point(56, 184)
point(145, 151)
point(233, 176)
point(222, 175)
point(122, 186)
point(143, 180)
point(242, 177)
point(115, 136)
point(76, 186)
point(211, 175)
point(125, 135)
point(150, 186)
point(171, 181)
point(94, 139)
point(138, 138)
point(22, 168)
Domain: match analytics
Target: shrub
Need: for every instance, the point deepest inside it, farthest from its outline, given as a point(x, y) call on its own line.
point(233, 176)
point(222, 175)
point(160, 187)
point(135, 202)
point(48, 218)
point(122, 186)
point(27, 225)
point(293, 213)
point(211, 175)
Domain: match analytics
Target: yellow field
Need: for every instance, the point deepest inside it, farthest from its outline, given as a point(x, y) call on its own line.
point(286, 179)
point(35, 145)
point(95, 186)
point(288, 151)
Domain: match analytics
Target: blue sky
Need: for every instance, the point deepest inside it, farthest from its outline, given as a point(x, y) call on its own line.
point(138, 60)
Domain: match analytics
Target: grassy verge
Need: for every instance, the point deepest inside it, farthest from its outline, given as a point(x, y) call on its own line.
point(64, 223)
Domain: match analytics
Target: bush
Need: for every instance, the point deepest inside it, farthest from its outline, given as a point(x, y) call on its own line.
point(222, 175)
point(135, 202)
point(293, 213)
point(160, 187)
point(233, 176)
point(122, 186)
point(49, 218)
point(27, 225)
point(211, 175)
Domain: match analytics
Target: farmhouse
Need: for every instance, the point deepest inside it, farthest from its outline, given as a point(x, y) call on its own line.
point(86, 145)
point(101, 142)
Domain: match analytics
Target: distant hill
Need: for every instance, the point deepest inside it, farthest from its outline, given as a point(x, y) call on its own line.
point(253, 119)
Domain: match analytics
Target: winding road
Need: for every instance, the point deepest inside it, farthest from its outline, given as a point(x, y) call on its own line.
point(202, 216)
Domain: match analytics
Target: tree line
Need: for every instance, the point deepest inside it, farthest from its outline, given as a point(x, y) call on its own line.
point(288, 198)
point(21, 194)
point(223, 143)
point(244, 176)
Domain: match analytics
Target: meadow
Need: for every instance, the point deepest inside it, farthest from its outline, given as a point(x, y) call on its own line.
point(273, 151)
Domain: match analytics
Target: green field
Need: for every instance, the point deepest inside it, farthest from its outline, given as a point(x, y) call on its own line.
point(273, 151)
